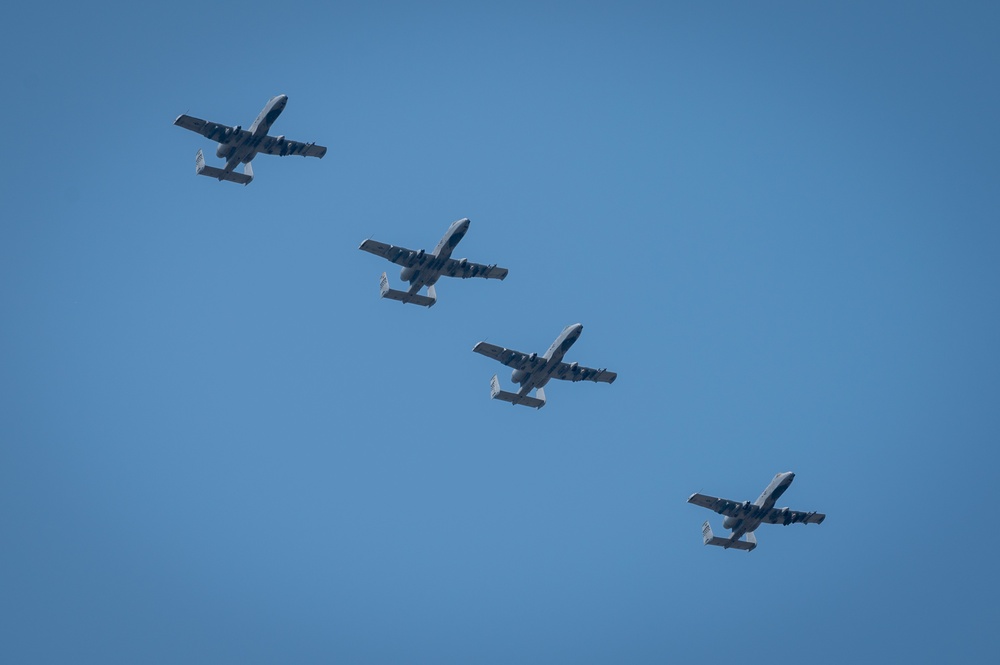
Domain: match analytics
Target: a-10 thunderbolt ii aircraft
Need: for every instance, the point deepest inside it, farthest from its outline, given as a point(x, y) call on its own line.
point(744, 518)
point(534, 371)
point(422, 268)
point(238, 145)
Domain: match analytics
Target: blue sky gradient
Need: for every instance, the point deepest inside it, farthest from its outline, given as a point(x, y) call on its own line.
point(777, 222)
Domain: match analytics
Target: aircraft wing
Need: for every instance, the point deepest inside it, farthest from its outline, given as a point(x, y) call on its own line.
point(577, 372)
point(279, 145)
point(722, 506)
point(210, 130)
point(465, 269)
point(509, 357)
point(786, 517)
point(398, 255)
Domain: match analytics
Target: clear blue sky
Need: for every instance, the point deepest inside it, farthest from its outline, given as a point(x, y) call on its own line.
point(777, 221)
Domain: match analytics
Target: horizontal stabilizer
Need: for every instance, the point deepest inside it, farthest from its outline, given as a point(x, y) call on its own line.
point(403, 296)
point(711, 539)
point(203, 169)
point(514, 398)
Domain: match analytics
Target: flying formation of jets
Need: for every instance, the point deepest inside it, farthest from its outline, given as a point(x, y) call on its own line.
point(420, 269)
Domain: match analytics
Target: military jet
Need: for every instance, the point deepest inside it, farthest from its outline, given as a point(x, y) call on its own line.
point(744, 518)
point(532, 371)
point(238, 145)
point(422, 268)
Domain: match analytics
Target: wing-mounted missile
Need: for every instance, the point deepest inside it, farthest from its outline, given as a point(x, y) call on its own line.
point(230, 134)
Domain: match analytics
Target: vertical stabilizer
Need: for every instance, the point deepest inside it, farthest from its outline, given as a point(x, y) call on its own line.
point(495, 387)
point(706, 533)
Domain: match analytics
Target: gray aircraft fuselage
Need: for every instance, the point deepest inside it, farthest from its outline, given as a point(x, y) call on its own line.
point(243, 150)
point(429, 273)
point(766, 501)
point(539, 377)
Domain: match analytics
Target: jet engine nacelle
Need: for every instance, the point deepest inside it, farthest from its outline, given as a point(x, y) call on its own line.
point(731, 522)
point(517, 376)
point(406, 274)
point(223, 151)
